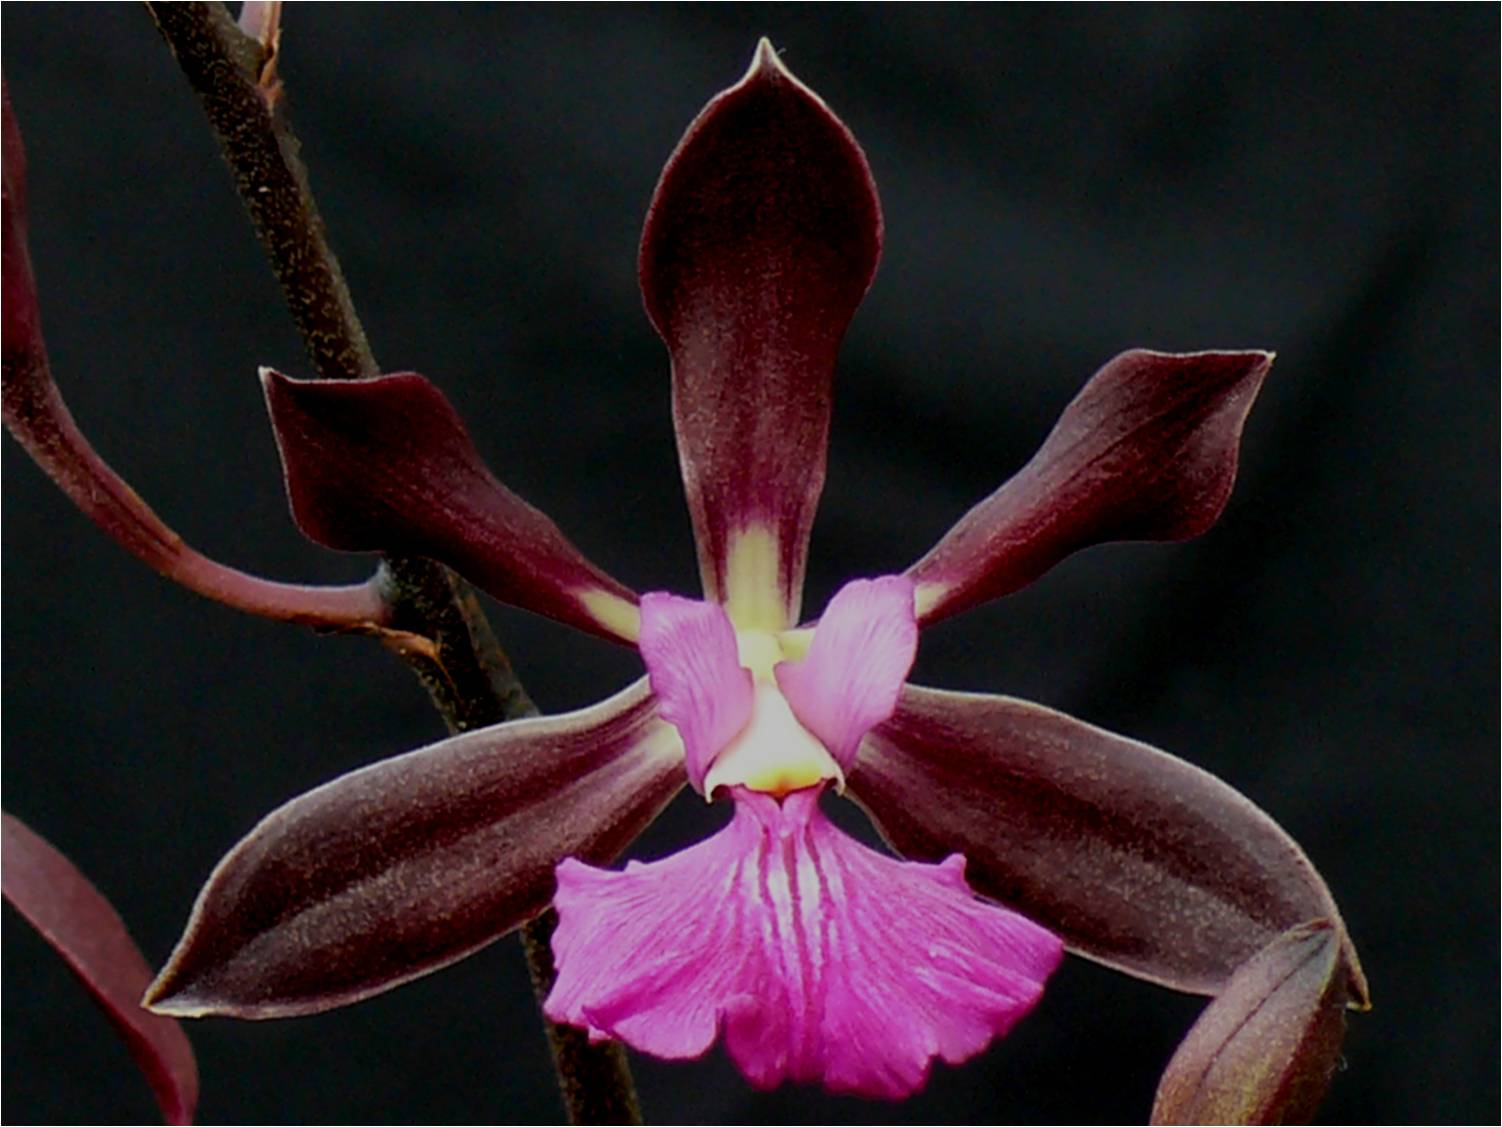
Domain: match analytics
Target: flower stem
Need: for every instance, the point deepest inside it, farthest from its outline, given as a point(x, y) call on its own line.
point(437, 627)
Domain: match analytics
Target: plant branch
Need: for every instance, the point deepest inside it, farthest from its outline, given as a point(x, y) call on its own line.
point(438, 627)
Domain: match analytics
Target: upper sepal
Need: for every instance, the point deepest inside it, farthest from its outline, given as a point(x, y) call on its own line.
point(386, 464)
point(761, 240)
point(407, 865)
point(81, 926)
point(1265, 1050)
point(1136, 859)
point(1147, 451)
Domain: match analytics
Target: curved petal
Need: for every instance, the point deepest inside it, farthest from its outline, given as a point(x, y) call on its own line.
point(820, 960)
point(761, 240)
point(1264, 1051)
point(405, 866)
point(80, 925)
point(1147, 451)
point(862, 651)
point(385, 464)
point(694, 668)
point(1137, 859)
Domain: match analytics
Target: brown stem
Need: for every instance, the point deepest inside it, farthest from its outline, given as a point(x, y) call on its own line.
point(438, 627)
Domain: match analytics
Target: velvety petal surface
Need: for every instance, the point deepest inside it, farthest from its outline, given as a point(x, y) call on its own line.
point(1137, 859)
point(79, 924)
point(386, 464)
point(1147, 451)
point(819, 960)
point(407, 865)
point(862, 650)
point(694, 668)
point(761, 240)
point(1265, 1050)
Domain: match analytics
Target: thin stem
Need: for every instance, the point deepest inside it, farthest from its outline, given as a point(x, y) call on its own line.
point(460, 663)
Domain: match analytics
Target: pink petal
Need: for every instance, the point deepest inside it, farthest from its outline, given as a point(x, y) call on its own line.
point(761, 240)
point(1147, 451)
point(818, 958)
point(385, 464)
point(690, 650)
point(405, 866)
point(862, 651)
point(1137, 859)
point(80, 925)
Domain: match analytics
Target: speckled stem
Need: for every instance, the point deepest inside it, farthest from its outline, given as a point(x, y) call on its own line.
point(438, 627)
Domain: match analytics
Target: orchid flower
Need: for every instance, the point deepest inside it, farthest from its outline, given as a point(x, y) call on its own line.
point(816, 958)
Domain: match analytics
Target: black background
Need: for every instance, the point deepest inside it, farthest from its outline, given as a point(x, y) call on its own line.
point(1058, 185)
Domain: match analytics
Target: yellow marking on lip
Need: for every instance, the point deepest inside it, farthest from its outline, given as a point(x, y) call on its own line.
point(774, 753)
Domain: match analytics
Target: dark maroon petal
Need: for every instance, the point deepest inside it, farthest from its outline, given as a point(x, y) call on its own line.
point(761, 240)
point(405, 866)
point(80, 925)
point(37, 417)
point(1265, 1050)
point(1147, 451)
point(385, 464)
point(1137, 859)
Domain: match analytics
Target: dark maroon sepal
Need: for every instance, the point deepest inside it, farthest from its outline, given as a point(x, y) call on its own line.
point(1147, 451)
point(760, 242)
point(386, 464)
point(1265, 1050)
point(405, 866)
point(79, 924)
point(1136, 859)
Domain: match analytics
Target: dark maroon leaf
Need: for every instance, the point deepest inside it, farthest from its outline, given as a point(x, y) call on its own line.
point(761, 240)
point(1147, 451)
point(1137, 859)
point(37, 417)
point(1265, 1050)
point(386, 464)
point(405, 866)
point(80, 925)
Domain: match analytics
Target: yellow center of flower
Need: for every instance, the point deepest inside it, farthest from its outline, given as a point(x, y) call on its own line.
point(773, 753)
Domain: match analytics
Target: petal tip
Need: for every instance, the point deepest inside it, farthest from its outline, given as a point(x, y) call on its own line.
point(169, 996)
point(766, 61)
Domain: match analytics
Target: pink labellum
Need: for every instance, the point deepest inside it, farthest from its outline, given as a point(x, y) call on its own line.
point(862, 650)
point(79, 924)
point(761, 240)
point(690, 650)
point(818, 959)
point(1147, 451)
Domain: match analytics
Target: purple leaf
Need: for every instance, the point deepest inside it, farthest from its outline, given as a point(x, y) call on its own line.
point(80, 925)
point(761, 240)
point(1264, 1051)
point(386, 464)
point(1136, 859)
point(410, 864)
point(1147, 451)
